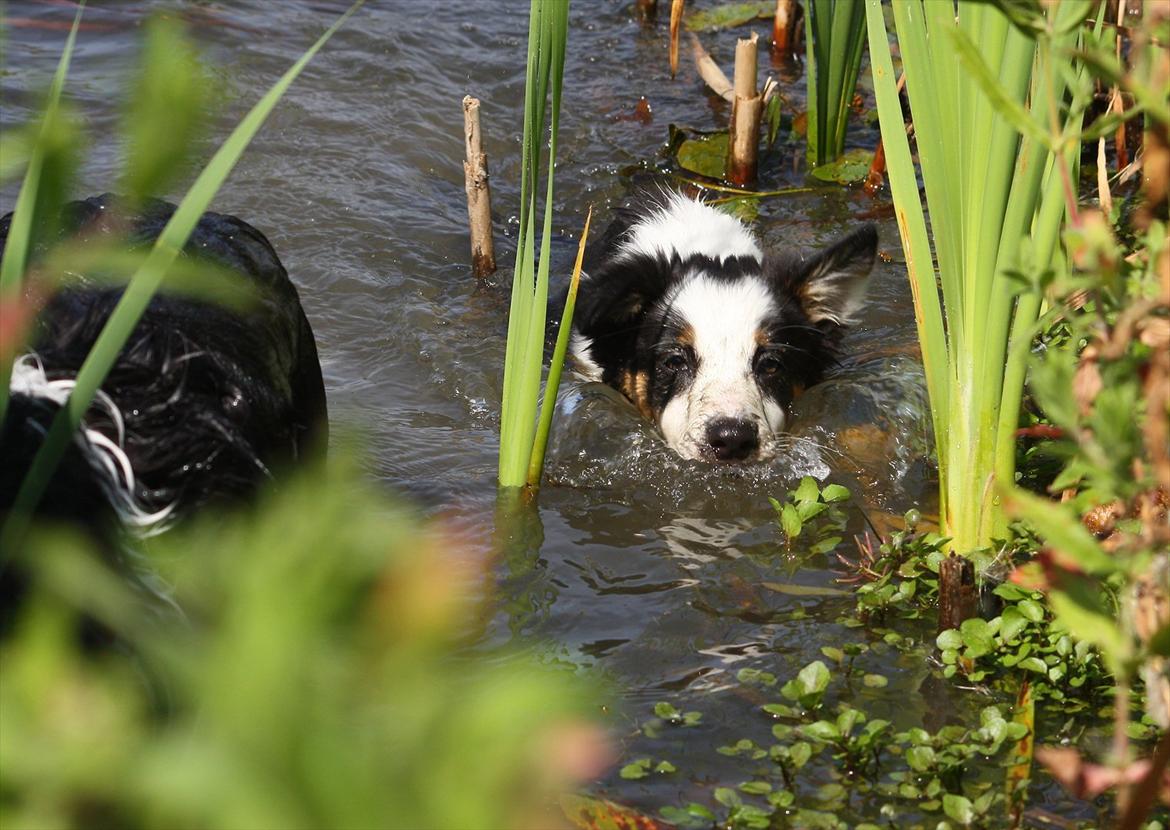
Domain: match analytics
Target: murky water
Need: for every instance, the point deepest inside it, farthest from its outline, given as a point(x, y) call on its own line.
point(668, 576)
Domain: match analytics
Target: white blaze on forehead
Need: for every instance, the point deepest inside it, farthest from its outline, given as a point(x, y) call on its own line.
point(687, 227)
point(725, 318)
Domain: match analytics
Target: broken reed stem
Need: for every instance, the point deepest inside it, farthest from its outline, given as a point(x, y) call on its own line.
point(784, 26)
point(746, 109)
point(957, 594)
point(479, 193)
point(676, 13)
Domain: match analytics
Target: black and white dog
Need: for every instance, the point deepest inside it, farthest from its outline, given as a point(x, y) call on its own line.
point(204, 402)
point(706, 335)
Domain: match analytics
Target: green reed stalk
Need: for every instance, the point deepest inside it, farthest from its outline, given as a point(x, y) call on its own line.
point(997, 148)
point(520, 448)
point(139, 291)
point(834, 44)
point(35, 203)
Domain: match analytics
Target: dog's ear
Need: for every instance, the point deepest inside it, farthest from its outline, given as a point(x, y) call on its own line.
point(831, 286)
point(618, 292)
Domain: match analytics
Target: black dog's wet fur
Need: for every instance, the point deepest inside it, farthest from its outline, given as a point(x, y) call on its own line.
point(213, 398)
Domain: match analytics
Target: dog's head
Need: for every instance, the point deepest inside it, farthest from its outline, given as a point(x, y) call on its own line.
point(708, 337)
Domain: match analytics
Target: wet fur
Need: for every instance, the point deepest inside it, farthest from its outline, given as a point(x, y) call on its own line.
point(211, 400)
point(669, 269)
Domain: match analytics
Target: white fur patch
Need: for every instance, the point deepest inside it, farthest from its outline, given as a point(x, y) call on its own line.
point(687, 227)
point(105, 455)
point(579, 348)
point(837, 296)
point(725, 318)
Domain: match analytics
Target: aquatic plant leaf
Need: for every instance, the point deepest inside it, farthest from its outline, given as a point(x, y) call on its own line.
point(729, 15)
point(949, 639)
point(807, 491)
point(958, 808)
point(800, 753)
point(666, 711)
point(635, 770)
point(705, 155)
point(790, 521)
point(727, 797)
point(835, 493)
point(977, 637)
point(693, 815)
point(813, 678)
point(849, 169)
point(810, 509)
point(745, 209)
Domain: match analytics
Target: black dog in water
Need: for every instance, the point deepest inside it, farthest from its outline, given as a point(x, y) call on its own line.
point(204, 403)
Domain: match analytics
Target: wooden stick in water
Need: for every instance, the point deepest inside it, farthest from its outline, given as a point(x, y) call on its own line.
point(746, 109)
point(479, 193)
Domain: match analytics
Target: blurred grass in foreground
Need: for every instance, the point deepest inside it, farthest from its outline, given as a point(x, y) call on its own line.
point(311, 680)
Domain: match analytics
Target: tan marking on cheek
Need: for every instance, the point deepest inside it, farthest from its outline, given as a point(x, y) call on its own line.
point(636, 387)
point(797, 391)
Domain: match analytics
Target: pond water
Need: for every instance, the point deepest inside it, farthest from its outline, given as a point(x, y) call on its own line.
point(667, 576)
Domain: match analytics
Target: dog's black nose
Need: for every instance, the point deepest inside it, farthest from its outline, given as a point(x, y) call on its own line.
point(732, 439)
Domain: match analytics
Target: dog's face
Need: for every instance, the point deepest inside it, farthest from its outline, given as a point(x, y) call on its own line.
point(712, 340)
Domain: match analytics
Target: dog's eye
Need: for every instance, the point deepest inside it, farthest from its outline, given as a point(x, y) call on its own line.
point(768, 364)
point(673, 361)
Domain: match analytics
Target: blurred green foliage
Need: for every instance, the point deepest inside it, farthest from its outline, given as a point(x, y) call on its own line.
point(315, 676)
point(166, 112)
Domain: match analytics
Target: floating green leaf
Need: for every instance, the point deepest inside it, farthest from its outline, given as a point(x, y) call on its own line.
point(729, 15)
point(850, 168)
point(705, 155)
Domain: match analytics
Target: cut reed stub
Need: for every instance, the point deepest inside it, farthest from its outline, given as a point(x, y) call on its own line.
point(784, 26)
point(746, 109)
point(479, 194)
point(957, 594)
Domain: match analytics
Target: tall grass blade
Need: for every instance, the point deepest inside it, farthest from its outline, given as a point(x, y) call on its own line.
point(139, 291)
point(29, 202)
point(41, 193)
point(549, 404)
point(835, 43)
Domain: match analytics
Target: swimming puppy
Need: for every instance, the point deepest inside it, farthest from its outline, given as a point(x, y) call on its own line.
point(205, 401)
point(709, 337)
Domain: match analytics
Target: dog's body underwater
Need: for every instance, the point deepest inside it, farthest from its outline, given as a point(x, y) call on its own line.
point(709, 337)
point(204, 401)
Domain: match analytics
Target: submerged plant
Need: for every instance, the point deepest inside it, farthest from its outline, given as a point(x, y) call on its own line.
point(997, 113)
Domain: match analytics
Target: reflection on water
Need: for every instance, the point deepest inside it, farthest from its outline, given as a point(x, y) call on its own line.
point(666, 575)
